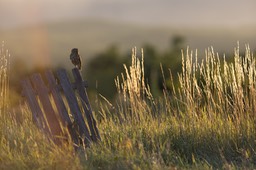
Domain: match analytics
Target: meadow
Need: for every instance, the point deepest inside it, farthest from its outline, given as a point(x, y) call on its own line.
point(207, 121)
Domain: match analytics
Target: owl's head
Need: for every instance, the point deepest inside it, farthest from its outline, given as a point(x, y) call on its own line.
point(74, 50)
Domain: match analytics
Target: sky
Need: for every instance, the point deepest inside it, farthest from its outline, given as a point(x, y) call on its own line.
point(194, 13)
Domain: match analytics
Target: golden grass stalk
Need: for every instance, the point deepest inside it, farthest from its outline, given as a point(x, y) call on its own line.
point(132, 88)
point(216, 86)
point(4, 79)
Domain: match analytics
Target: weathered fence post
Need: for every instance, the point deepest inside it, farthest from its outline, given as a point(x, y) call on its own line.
point(80, 85)
point(63, 113)
point(43, 94)
point(37, 114)
point(51, 118)
point(72, 102)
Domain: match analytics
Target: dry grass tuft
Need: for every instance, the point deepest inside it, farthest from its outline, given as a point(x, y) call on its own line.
point(4, 79)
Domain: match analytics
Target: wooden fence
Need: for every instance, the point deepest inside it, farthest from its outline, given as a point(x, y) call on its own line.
point(57, 104)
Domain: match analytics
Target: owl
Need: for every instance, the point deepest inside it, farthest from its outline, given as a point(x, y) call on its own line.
point(75, 58)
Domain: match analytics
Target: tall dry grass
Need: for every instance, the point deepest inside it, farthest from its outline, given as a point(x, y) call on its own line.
point(4, 79)
point(133, 93)
point(215, 86)
point(215, 106)
point(206, 121)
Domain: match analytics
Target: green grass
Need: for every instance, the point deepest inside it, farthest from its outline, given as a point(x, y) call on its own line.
point(206, 122)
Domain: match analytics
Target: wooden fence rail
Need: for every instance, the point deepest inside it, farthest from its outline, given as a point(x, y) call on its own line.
point(55, 106)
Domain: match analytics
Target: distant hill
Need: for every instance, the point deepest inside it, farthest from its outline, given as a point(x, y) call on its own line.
point(51, 43)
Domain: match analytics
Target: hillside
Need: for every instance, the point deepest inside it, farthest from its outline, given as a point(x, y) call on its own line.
point(48, 43)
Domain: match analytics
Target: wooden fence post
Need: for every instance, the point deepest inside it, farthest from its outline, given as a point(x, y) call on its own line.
point(80, 85)
point(51, 119)
point(49, 113)
point(37, 113)
point(71, 98)
point(65, 119)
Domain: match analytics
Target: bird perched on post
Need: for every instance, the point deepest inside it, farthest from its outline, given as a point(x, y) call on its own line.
point(75, 58)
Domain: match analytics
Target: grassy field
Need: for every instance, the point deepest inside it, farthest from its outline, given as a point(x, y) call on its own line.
point(206, 122)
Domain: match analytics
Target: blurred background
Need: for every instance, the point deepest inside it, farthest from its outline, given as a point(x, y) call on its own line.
point(40, 34)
